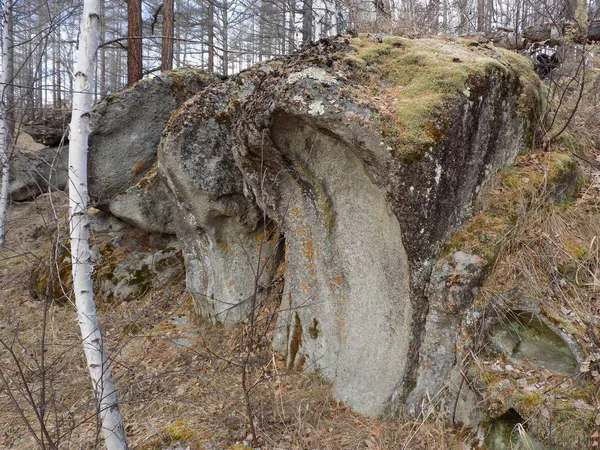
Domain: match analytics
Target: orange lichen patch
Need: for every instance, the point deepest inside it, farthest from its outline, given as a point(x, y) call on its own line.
point(337, 280)
point(150, 178)
point(138, 167)
point(263, 236)
point(295, 211)
point(308, 249)
point(304, 286)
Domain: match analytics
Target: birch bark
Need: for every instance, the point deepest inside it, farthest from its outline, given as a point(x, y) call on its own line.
point(104, 390)
point(4, 129)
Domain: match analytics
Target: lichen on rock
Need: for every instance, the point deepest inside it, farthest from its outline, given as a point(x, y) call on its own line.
point(364, 156)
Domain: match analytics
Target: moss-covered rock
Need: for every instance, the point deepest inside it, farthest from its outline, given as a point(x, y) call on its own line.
point(127, 262)
point(364, 154)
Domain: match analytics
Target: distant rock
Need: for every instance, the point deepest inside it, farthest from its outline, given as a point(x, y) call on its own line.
point(50, 130)
point(37, 172)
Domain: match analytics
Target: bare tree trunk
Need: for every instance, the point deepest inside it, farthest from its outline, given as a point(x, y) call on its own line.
point(102, 55)
point(480, 15)
point(262, 31)
point(104, 390)
point(291, 38)
point(211, 36)
point(433, 15)
point(225, 39)
point(5, 80)
point(56, 69)
point(307, 22)
point(134, 41)
point(489, 15)
point(177, 34)
point(166, 59)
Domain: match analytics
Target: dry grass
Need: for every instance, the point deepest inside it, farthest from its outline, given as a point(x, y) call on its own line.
point(548, 259)
point(169, 395)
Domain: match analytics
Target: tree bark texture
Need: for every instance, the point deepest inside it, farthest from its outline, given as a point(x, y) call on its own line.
point(307, 22)
point(104, 390)
point(168, 34)
point(134, 41)
point(5, 80)
point(211, 36)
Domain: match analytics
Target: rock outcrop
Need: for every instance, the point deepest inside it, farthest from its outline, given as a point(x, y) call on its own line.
point(364, 156)
point(51, 130)
point(340, 170)
point(128, 263)
point(127, 127)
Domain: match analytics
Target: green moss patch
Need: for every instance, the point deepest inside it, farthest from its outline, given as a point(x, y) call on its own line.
point(533, 177)
point(414, 78)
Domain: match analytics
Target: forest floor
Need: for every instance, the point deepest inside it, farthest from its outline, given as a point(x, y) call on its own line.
point(178, 377)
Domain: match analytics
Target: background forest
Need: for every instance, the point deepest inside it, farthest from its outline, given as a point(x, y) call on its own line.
point(224, 37)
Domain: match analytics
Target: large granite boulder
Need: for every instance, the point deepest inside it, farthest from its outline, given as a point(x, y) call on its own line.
point(364, 156)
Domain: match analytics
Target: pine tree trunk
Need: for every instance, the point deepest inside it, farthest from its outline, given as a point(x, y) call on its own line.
point(5, 79)
point(104, 390)
point(134, 41)
point(225, 39)
point(480, 15)
point(307, 22)
point(168, 34)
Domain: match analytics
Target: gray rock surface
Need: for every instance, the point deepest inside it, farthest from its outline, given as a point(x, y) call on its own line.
point(145, 205)
point(451, 291)
point(126, 129)
point(363, 209)
point(37, 172)
point(230, 248)
point(524, 337)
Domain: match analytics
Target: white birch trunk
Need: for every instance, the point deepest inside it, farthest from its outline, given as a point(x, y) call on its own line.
point(319, 18)
point(4, 138)
point(104, 390)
